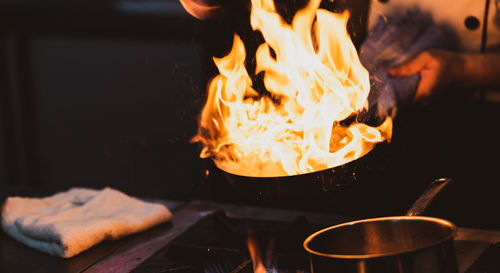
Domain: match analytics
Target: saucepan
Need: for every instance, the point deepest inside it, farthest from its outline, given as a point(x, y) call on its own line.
point(402, 244)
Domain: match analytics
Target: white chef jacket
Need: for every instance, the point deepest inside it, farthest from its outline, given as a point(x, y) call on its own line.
point(464, 19)
point(473, 24)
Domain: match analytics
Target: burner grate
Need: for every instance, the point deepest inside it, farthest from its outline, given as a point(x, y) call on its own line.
point(218, 244)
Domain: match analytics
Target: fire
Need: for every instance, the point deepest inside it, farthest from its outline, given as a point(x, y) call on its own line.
point(315, 80)
point(199, 8)
point(262, 264)
point(254, 250)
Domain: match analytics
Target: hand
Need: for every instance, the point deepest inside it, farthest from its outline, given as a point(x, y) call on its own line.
point(438, 70)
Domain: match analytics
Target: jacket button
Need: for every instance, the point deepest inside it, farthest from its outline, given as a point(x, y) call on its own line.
point(472, 23)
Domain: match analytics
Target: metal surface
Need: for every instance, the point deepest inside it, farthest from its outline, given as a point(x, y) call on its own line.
point(137, 250)
point(419, 207)
point(413, 244)
point(470, 243)
point(134, 251)
point(390, 244)
point(488, 261)
point(379, 237)
point(330, 189)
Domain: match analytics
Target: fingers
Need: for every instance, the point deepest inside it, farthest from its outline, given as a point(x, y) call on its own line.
point(411, 67)
point(423, 64)
point(437, 69)
point(425, 88)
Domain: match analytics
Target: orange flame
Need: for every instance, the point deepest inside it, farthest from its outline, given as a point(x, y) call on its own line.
point(255, 254)
point(199, 8)
point(315, 78)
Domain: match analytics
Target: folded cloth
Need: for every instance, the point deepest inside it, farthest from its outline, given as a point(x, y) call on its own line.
point(393, 41)
point(70, 222)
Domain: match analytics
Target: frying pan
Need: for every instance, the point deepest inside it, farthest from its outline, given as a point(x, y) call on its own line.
point(399, 244)
point(331, 189)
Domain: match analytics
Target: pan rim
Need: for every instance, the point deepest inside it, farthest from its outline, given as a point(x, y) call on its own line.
point(316, 172)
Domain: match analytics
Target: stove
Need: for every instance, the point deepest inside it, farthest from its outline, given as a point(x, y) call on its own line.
point(218, 243)
point(212, 238)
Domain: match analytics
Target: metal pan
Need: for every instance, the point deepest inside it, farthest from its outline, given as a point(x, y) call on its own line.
point(329, 189)
point(400, 244)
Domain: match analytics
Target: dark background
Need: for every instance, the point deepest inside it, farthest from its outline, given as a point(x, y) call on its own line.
point(108, 94)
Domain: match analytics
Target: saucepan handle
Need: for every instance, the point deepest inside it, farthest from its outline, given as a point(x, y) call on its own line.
point(427, 196)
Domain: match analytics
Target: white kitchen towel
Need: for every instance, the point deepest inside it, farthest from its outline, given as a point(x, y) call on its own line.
point(70, 222)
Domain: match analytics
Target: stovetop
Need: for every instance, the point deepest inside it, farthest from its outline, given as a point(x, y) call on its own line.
point(213, 238)
point(219, 243)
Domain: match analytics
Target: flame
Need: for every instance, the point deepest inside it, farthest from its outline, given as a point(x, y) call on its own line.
point(315, 80)
point(199, 8)
point(253, 248)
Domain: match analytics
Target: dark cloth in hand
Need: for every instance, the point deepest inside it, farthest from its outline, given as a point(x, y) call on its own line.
point(393, 41)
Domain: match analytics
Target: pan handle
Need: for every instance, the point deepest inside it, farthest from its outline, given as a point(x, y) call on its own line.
point(426, 198)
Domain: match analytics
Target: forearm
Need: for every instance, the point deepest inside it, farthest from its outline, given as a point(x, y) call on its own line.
point(480, 71)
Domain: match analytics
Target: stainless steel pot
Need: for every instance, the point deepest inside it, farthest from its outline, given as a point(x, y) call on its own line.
point(402, 244)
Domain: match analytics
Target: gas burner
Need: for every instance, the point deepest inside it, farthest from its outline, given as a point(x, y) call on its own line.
point(217, 243)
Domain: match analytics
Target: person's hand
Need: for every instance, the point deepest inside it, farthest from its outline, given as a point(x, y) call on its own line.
point(438, 70)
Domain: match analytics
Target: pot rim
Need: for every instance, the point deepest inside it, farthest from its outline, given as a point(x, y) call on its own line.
point(444, 222)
